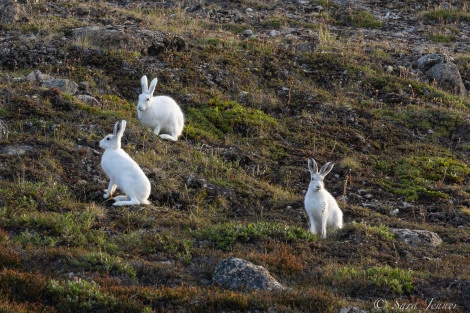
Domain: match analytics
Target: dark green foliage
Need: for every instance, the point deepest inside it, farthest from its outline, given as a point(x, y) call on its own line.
point(448, 15)
point(365, 19)
point(224, 236)
point(218, 118)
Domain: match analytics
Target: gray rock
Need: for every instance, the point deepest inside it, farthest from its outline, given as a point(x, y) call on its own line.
point(425, 62)
point(90, 100)
point(248, 33)
point(16, 150)
point(234, 273)
point(65, 85)
point(37, 75)
point(417, 238)
point(306, 47)
point(3, 130)
point(11, 11)
point(146, 41)
point(274, 33)
point(448, 77)
point(439, 68)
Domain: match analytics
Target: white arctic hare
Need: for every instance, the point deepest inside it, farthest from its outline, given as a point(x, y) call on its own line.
point(321, 207)
point(160, 113)
point(123, 171)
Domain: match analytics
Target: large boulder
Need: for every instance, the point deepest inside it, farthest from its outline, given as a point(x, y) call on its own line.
point(417, 238)
point(12, 11)
point(145, 41)
point(439, 68)
point(448, 77)
point(64, 85)
point(234, 273)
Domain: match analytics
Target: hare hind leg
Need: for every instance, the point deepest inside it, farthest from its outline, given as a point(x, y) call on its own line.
point(123, 200)
point(171, 134)
point(166, 136)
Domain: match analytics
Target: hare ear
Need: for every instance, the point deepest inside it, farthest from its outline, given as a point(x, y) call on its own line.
point(325, 169)
point(116, 128)
point(122, 127)
point(144, 84)
point(312, 166)
point(153, 84)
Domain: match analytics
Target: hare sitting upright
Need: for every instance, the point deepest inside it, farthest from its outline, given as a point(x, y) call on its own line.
point(123, 171)
point(161, 113)
point(321, 207)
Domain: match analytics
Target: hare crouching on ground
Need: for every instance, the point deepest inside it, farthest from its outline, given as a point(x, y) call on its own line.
point(161, 113)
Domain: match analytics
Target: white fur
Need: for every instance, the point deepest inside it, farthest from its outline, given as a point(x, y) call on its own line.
point(162, 114)
point(321, 207)
point(123, 172)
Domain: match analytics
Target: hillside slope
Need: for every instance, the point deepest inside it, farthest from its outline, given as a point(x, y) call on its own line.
point(381, 91)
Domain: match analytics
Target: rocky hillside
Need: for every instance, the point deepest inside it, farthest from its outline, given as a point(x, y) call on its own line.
point(380, 89)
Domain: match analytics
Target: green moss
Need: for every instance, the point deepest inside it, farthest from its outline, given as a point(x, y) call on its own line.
point(235, 28)
point(224, 236)
point(448, 15)
point(275, 23)
point(105, 263)
point(211, 41)
point(416, 174)
point(217, 118)
point(80, 294)
point(383, 232)
point(365, 19)
point(441, 38)
point(384, 278)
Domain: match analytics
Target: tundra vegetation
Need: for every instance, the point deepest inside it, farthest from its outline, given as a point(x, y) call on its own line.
point(333, 81)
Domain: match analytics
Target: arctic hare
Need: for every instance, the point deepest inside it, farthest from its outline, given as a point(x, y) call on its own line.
point(123, 171)
point(321, 207)
point(161, 113)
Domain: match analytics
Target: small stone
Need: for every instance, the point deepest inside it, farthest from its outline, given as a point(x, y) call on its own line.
point(248, 33)
point(243, 94)
point(274, 33)
point(3, 130)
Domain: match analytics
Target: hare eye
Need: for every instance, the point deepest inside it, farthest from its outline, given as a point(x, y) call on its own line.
point(107, 138)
